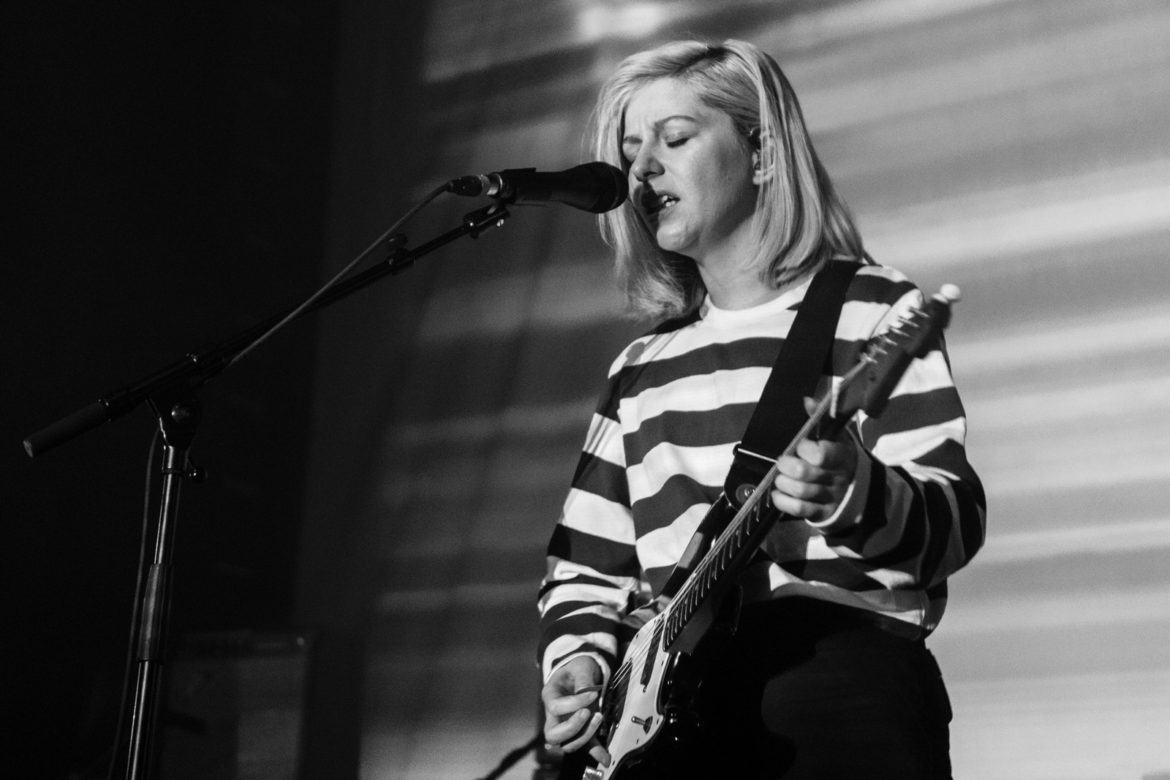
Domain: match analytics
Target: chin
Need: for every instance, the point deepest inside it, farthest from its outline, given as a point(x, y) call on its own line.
point(672, 242)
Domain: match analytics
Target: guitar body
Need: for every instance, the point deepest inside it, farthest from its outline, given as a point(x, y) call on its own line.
point(652, 726)
point(637, 710)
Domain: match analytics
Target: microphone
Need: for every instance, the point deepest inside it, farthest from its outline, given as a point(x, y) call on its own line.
point(596, 187)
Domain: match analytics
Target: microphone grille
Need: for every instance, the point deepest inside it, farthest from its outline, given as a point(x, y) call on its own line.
point(612, 186)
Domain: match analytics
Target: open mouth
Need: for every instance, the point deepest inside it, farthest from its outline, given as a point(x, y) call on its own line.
point(654, 203)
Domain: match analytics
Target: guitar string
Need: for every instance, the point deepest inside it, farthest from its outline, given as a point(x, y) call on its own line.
point(879, 345)
point(750, 506)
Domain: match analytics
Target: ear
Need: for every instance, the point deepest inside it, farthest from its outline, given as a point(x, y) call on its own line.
point(764, 157)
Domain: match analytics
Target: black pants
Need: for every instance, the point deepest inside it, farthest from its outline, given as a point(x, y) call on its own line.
point(807, 689)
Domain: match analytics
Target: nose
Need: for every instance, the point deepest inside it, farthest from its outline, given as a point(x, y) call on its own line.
point(645, 164)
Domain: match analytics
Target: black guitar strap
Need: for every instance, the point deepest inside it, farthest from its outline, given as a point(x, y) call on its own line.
point(806, 353)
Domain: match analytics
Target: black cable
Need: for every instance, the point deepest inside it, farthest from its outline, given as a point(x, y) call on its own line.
point(138, 585)
point(110, 755)
point(329, 285)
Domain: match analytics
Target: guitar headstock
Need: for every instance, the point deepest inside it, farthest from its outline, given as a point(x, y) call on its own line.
point(888, 354)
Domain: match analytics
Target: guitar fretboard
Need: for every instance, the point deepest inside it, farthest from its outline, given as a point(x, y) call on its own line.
point(882, 364)
point(721, 561)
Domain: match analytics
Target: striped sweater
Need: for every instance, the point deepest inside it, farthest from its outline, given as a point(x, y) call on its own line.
point(660, 445)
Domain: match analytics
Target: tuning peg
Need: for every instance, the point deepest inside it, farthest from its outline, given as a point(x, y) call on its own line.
point(950, 293)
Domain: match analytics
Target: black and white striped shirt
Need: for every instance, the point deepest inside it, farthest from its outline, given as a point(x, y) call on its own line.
point(661, 442)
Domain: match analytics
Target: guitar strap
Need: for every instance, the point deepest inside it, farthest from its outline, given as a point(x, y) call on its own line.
point(807, 352)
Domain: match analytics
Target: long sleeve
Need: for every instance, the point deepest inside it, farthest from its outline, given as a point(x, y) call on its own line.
point(663, 438)
point(592, 567)
point(916, 512)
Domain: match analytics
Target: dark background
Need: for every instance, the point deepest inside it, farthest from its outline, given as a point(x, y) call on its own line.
point(382, 479)
point(166, 170)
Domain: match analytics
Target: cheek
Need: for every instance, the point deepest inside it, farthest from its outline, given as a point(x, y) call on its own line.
point(731, 172)
point(736, 194)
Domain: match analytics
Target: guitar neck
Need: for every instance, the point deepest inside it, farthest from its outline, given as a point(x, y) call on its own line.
point(703, 590)
point(867, 385)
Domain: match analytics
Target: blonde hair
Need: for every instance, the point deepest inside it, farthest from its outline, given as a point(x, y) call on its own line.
point(800, 222)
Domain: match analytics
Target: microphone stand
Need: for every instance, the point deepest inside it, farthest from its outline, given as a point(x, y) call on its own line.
point(170, 393)
point(178, 417)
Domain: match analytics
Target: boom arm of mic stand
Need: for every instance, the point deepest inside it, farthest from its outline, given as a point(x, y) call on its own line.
point(171, 395)
point(197, 368)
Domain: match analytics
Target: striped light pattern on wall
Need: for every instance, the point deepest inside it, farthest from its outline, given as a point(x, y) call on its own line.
point(1017, 149)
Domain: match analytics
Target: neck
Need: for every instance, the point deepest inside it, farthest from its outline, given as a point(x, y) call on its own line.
point(730, 284)
point(733, 287)
point(738, 293)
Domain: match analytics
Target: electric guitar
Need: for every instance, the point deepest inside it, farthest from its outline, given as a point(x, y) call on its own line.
point(646, 705)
